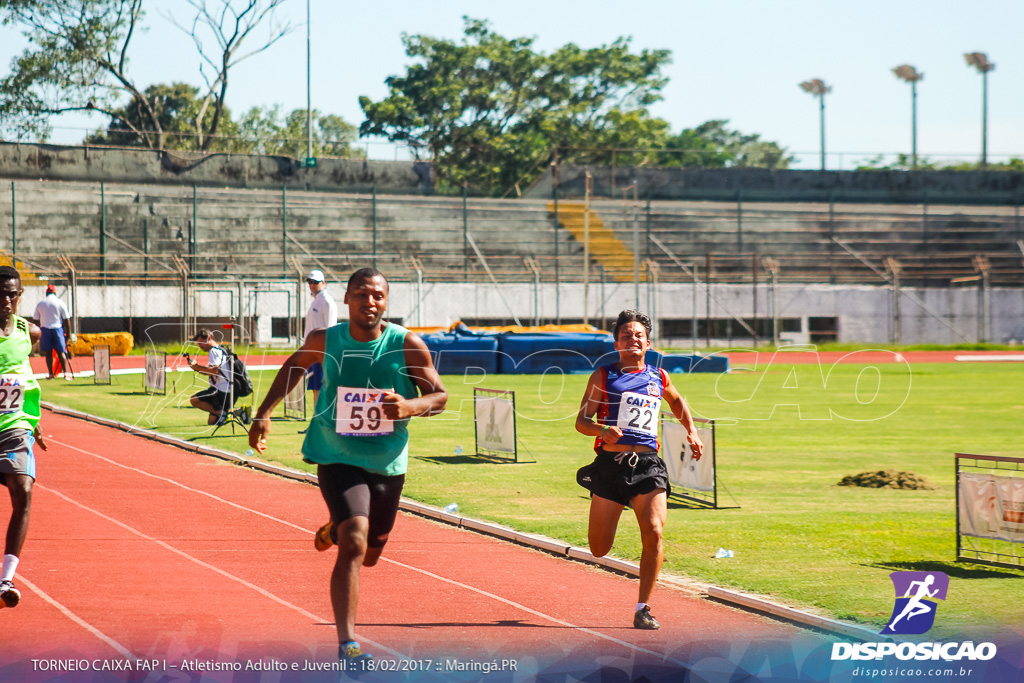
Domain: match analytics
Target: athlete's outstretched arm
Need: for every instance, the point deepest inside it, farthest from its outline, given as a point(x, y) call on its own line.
point(311, 351)
point(420, 369)
point(589, 406)
point(34, 334)
point(682, 412)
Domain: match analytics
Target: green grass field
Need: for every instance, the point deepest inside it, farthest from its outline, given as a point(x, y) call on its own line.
point(786, 435)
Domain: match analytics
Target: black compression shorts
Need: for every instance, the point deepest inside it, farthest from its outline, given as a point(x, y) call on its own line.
point(353, 492)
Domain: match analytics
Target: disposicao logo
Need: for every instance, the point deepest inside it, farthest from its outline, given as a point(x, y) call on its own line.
point(913, 613)
point(916, 596)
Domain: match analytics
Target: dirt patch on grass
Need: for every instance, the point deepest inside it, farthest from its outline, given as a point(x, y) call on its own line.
point(887, 479)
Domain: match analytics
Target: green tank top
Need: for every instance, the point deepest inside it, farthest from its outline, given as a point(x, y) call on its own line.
point(19, 391)
point(348, 425)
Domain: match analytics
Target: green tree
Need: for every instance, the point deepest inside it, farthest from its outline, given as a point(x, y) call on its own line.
point(175, 108)
point(77, 60)
point(713, 145)
point(903, 162)
point(490, 110)
point(264, 130)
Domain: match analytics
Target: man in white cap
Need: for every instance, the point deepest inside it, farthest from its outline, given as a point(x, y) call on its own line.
point(322, 313)
point(52, 317)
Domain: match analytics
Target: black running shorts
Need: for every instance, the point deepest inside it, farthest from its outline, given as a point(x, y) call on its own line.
point(620, 477)
point(353, 492)
point(218, 399)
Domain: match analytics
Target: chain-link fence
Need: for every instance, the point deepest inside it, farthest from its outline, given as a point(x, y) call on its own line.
point(159, 261)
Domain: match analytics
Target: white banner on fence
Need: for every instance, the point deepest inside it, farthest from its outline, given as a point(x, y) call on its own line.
point(156, 375)
point(992, 506)
point(683, 470)
point(495, 424)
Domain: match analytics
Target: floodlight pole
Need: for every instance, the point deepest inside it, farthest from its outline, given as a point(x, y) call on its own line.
point(821, 98)
point(984, 118)
point(309, 89)
point(909, 74)
point(980, 62)
point(913, 124)
point(817, 87)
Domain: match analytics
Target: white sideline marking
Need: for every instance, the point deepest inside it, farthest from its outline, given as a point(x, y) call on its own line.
point(142, 371)
point(78, 620)
point(1000, 358)
point(184, 486)
point(217, 570)
point(480, 591)
point(534, 612)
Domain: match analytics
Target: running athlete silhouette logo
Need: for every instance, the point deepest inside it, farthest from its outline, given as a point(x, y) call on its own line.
point(916, 595)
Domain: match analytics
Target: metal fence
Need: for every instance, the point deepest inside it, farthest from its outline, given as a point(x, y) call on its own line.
point(118, 234)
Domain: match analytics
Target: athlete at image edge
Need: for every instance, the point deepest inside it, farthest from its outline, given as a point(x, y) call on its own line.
point(651, 509)
point(19, 485)
point(366, 298)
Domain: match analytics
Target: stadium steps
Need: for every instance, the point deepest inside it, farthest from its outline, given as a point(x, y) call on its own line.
point(27, 276)
point(605, 247)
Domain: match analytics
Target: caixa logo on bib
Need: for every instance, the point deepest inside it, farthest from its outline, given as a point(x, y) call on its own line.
point(917, 594)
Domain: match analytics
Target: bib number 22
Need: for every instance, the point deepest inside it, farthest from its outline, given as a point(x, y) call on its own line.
point(639, 413)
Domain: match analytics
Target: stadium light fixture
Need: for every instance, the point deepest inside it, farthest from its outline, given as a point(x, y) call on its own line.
point(817, 87)
point(907, 73)
point(979, 60)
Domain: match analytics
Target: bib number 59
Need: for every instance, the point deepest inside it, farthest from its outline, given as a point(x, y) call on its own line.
point(360, 412)
point(370, 417)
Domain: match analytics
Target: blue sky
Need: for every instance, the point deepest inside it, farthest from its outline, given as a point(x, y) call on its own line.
point(740, 60)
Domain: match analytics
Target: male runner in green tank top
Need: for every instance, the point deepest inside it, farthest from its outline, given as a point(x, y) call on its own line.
point(377, 375)
point(19, 424)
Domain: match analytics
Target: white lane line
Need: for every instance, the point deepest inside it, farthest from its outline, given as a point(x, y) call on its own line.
point(183, 486)
point(517, 605)
point(534, 612)
point(217, 570)
point(78, 620)
point(141, 371)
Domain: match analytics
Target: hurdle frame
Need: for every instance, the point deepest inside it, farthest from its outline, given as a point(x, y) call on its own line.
point(284, 401)
point(981, 556)
point(497, 455)
point(145, 386)
point(705, 499)
point(95, 374)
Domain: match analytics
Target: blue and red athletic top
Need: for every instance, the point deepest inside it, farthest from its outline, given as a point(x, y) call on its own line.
point(631, 401)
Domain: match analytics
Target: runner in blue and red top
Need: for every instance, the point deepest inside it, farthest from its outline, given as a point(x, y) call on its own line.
point(626, 397)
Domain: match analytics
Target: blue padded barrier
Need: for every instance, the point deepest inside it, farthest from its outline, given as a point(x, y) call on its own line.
point(454, 353)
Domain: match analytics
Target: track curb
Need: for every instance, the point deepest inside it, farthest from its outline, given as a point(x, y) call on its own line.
point(556, 547)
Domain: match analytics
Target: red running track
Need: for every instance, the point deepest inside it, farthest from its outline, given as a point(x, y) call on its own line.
point(141, 550)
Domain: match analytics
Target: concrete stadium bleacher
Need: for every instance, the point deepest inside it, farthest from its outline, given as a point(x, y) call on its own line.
point(152, 231)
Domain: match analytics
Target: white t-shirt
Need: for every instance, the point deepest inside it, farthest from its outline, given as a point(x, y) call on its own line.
point(322, 313)
point(216, 359)
point(51, 312)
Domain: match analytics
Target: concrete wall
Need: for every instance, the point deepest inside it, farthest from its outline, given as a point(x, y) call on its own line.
point(865, 314)
point(100, 164)
point(757, 184)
